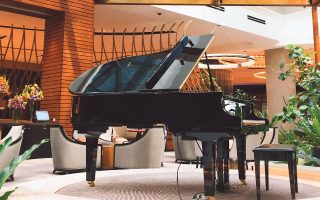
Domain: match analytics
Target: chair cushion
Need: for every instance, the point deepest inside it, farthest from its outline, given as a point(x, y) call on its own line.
point(276, 147)
point(120, 140)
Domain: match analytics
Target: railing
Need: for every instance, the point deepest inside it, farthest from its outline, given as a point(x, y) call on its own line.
point(113, 45)
point(20, 55)
point(21, 48)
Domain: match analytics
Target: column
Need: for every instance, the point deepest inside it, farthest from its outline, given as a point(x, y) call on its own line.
point(277, 90)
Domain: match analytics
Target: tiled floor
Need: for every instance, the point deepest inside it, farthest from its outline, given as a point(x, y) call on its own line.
point(35, 180)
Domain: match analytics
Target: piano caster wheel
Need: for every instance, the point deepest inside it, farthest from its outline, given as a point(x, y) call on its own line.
point(91, 184)
point(244, 182)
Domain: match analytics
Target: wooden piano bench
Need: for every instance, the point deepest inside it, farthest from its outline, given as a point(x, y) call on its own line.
point(276, 152)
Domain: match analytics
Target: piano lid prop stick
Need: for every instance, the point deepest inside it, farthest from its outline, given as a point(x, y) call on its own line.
point(210, 76)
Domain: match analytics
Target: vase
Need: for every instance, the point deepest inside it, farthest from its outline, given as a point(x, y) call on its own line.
point(31, 110)
point(15, 116)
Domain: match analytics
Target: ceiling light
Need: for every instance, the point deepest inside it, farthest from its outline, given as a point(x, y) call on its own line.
point(227, 61)
point(261, 75)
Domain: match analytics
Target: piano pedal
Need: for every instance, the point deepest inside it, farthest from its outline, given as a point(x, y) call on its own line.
point(201, 196)
point(91, 184)
point(244, 182)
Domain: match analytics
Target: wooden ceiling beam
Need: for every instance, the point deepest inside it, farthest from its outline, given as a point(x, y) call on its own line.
point(315, 2)
point(210, 2)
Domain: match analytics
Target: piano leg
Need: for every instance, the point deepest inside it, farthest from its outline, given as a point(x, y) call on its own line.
point(219, 161)
point(209, 157)
point(226, 162)
point(223, 164)
point(91, 159)
point(241, 154)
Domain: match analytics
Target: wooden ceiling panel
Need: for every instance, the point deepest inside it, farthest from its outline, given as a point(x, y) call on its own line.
point(210, 2)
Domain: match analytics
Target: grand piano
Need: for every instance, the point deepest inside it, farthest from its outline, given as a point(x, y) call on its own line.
point(143, 91)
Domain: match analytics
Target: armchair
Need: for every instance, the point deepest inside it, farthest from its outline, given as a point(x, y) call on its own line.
point(253, 141)
point(185, 150)
point(13, 150)
point(68, 155)
point(146, 152)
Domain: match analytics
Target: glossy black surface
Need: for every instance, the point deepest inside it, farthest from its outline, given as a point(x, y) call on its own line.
point(163, 70)
point(143, 91)
point(179, 111)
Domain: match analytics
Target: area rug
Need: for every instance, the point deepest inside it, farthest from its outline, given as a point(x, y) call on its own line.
point(140, 186)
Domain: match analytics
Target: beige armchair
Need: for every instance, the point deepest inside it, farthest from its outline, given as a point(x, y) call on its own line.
point(16, 132)
point(68, 155)
point(252, 141)
point(146, 152)
point(185, 150)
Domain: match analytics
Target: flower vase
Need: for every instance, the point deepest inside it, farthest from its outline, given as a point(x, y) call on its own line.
point(31, 110)
point(15, 116)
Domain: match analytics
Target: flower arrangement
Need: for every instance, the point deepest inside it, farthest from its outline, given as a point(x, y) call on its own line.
point(17, 104)
point(32, 93)
point(4, 86)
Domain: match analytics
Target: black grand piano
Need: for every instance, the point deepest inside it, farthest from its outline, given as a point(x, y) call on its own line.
point(143, 91)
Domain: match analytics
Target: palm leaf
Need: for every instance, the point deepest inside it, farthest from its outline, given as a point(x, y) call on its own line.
point(5, 144)
point(6, 195)
point(4, 174)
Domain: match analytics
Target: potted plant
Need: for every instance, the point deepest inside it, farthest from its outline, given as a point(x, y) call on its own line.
point(6, 172)
point(302, 109)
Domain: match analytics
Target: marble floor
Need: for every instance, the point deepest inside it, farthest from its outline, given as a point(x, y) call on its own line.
point(34, 180)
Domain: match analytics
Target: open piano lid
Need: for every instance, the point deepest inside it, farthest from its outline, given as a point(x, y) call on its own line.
point(166, 70)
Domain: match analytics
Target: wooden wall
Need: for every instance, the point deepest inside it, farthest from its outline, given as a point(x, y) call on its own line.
point(67, 52)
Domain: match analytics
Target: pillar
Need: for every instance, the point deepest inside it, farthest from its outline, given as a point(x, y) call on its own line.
point(67, 54)
point(277, 91)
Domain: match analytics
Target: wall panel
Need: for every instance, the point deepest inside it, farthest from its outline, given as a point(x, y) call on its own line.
point(67, 51)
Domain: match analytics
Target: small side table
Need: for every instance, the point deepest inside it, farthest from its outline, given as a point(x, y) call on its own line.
point(107, 156)
point(276, 152)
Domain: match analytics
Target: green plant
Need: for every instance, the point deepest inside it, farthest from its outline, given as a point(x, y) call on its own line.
point(240, 97)
point(310, 125)
point(240, 94)
point(264, 115)
point(244, 105)
point(302, 109)
point(6, 172)
point(308, 79)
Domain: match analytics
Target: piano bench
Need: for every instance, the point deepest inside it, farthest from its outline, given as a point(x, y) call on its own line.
point(276, 152)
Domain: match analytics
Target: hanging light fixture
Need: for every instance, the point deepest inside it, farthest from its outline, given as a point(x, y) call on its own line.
point(261, 75)
point(227, 61)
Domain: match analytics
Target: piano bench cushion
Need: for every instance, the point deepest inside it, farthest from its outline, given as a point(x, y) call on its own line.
point(276, 147)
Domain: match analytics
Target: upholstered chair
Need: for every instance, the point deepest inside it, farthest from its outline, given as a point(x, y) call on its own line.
point(271, 136)
point(252, 141)
point(146, 152)
point(16, 132)
point(104, 139)
point(185, 150)
point(68, 155)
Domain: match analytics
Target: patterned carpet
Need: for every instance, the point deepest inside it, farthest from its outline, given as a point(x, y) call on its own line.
point(163, 186)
